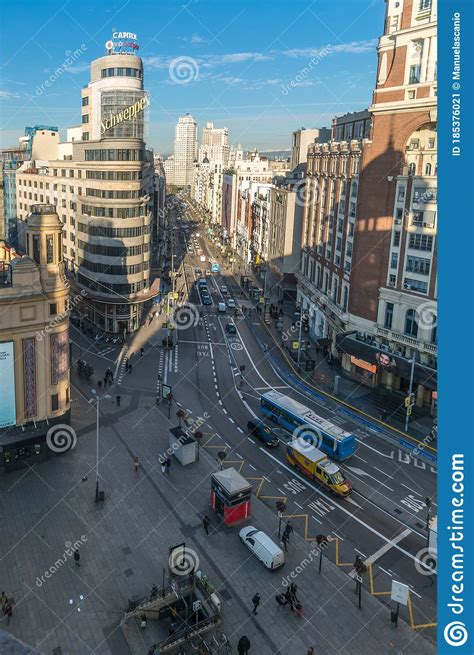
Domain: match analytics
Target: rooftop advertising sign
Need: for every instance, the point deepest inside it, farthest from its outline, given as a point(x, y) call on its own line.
point(124, 115)
point(122, 43)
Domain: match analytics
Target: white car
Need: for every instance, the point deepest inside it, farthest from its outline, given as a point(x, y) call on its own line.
point(202, 258)
point(221, 307)
point(224, 290)
point(262, 547)
point(231, 303)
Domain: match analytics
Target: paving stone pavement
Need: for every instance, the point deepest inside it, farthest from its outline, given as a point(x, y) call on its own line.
point(124, 548)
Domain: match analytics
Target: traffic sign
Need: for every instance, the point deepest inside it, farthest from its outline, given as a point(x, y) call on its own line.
point(197, 605)
point(295, 345)
point(400, 592)
point(409, 410)
point(165, 390)
point(261, 300)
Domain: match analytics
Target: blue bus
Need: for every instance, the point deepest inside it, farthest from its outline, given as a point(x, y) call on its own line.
point(215, 268)
point(330, 438)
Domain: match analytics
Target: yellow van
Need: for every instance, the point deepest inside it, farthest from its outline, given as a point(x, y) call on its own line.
point(314, 464)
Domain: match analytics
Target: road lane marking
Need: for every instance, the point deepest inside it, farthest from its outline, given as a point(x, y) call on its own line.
point(225, 411)
point(346, 511)
point(382, 569)
point(240, 430)
point(231, 420)
point(298, 505)
point(253, 467)
point(251, 440)
point(362, 473)
point(386, 547)
point(317, 520)
point(410, 489)
point(380, 471)
point(360, 553)
point(361, 458)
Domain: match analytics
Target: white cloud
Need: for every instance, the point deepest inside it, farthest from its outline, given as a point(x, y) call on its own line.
point(8, 94)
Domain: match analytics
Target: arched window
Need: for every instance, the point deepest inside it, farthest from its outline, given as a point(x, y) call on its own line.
point(434, 328)
point(412, 169)
point(428, 169)
point(411, 325)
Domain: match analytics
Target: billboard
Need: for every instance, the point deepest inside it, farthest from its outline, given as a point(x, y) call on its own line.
point(7, 385)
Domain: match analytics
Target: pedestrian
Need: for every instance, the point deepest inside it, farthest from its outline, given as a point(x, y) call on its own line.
point(168, 465)
point(143, 621)
point(284, 540)
point(142, 352)
point(289, 598)
point(117, 400)
point(3, 600)
point(129, 368)
point(174, 613)
point(293, 590)
point(310, 651)
point(163, 466)
point(206, 523)
point(77, 557)
point(136, 464)
point(256, 602)
point(288, 530)
point(243, 645)
point(8, 612)
point(106, 379)
point(99, 384)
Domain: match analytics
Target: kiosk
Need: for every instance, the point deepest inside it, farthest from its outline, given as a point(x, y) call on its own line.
point(230, 496)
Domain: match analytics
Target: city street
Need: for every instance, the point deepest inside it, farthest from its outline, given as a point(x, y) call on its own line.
point(126, 541)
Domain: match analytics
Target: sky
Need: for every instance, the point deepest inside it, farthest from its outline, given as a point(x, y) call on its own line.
point(260, 68)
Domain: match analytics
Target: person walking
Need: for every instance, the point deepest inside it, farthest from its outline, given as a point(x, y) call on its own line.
point(206, 523)
point(284, 540)
point(243, 645)
point(129, 368)
point(310, 651)
point(168, 465)
point(256, 603)
point(8, 612)
point(142, 352)
point(143, 621)
point(117, 400)
point(163, 466)
point(77, 558)
point(136, 464)
point(3, 600)
point(288, 530)
point(289, 598)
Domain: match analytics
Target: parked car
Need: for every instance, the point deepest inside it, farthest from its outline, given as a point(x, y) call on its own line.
point(231, 303)
point(206, 300)
point(230, 328)
point(221, 307)
point(263, 433)
point(260, 544)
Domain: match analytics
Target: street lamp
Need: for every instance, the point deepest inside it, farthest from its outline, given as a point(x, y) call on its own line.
point(410, 391)
point(299, 336)
point(97, 400)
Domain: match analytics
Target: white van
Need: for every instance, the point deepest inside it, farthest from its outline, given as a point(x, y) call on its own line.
point(262, 547)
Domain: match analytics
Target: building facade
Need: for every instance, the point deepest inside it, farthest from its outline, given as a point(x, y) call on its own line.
point(34, 342)
point(185, 151)
point(102, 182)
point(300, 141)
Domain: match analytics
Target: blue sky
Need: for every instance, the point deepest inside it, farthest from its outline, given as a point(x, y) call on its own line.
point(259, 68)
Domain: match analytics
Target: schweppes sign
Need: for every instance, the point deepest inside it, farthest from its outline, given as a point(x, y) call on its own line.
point(124, 115)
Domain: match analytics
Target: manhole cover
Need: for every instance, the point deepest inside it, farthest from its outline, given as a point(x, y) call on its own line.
point(128, 573)
point(126, 550)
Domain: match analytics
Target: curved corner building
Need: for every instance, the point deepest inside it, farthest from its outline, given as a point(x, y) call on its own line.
point(114, 212)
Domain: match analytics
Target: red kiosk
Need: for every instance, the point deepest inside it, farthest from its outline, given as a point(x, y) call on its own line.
point(230, 496)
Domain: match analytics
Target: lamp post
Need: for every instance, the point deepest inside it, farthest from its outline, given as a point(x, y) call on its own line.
point(410, 391)
point(97, 400)
point(299, 336)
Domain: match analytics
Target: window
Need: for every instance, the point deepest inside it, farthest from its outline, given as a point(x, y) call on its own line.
point(414, 76)
point(49, 248)
point(411, 325)
point(85, 101)
point(428, 169)
point(85, 118)
point(411, 95)
point(85, 136)
point(394, 260)
point(415, 285)
point(401, 194)
point(412, 169)
point(431, 144)
point(392, 280)
point(63, 172)
point(421, 242)
point(54, 402)
point(53, 309)
point(424, 5)
point(417, 218)
point(396, 238)
point(388, 315)
point(434, 329)
point(419, 265)
point(36, 248)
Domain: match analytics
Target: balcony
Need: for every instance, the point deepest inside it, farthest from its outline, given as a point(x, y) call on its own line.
point(412, 342)
point(5, 275)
